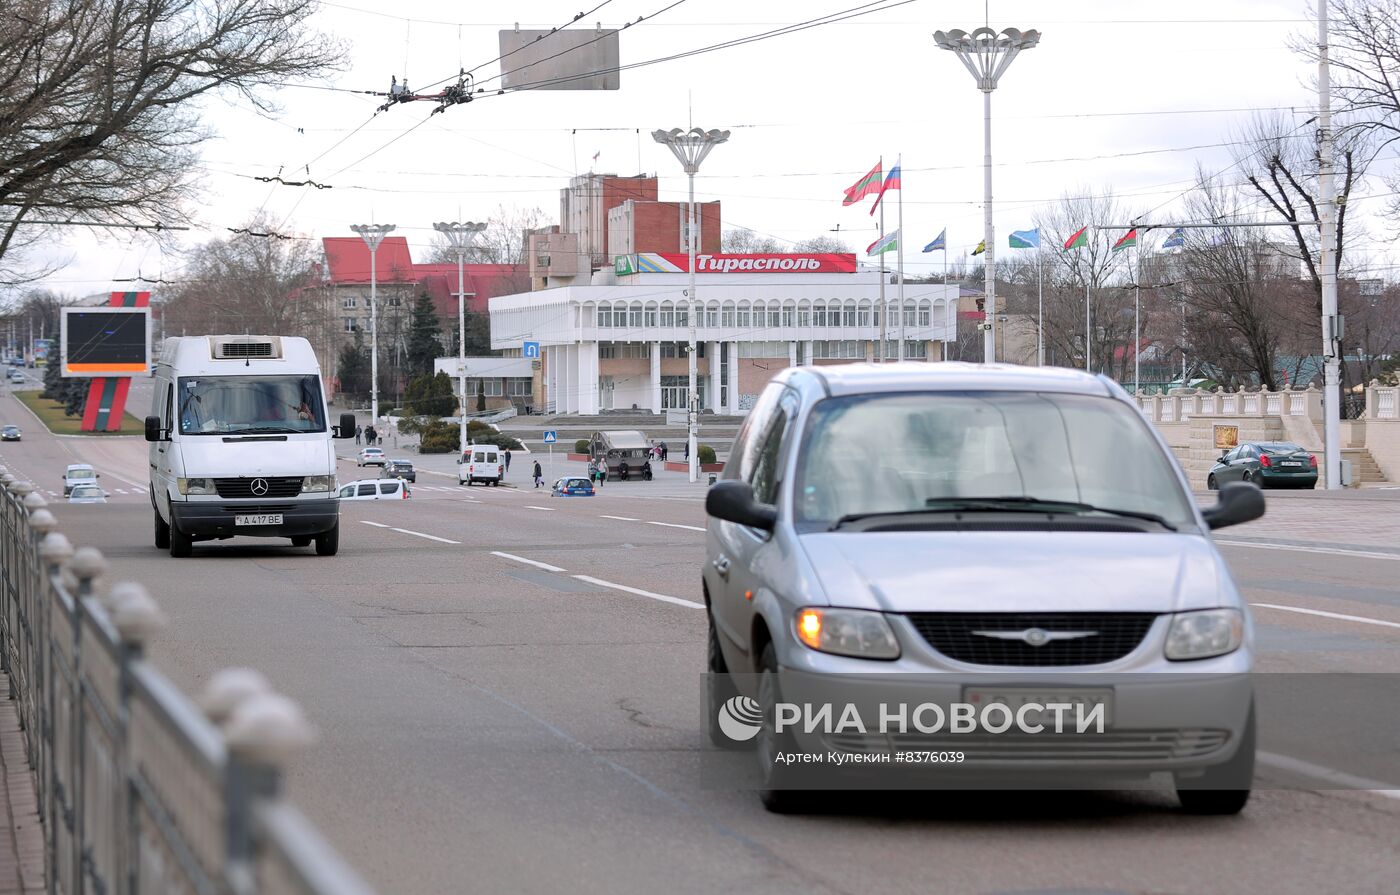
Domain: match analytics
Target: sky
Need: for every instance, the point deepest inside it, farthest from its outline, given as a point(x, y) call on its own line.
point(1127, 97)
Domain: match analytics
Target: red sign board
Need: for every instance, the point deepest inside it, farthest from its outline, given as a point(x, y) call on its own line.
point(806, 262)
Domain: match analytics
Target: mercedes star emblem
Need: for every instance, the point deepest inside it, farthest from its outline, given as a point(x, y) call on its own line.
point(258, 487)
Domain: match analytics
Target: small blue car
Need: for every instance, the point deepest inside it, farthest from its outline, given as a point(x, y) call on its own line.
point(572, 486)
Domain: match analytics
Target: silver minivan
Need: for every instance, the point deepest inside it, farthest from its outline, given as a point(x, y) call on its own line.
point(976, 534)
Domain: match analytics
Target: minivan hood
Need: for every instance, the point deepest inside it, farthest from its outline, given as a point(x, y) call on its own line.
point(1061, 571)
point(210, 455)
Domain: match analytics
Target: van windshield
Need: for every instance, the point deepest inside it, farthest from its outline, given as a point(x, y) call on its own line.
point(234, 405)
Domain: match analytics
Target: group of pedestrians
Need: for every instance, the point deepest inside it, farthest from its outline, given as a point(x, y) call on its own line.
point(369, 434)
point(658, 450)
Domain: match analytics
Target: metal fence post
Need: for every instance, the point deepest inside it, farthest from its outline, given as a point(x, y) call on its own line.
point(54, 551)
point(136, 617)
point(42, 522)
point(262, 730)
point(87, 564)
point(7, 552)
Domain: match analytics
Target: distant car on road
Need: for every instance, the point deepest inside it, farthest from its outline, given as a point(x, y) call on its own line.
point(371, 456)
point(78, 474)
point(400, 469)
point(1268, 464)
point(10, 433)
point(373, 489)
point(572, 486)
point(87, 494)
point(998, 544)
point(16, 376)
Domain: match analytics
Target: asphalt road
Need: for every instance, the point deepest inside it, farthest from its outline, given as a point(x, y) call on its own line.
point(507, 689)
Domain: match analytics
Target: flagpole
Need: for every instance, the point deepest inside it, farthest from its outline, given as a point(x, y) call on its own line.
point(1039, 306)
point(945, 293)
point(899, 248)
point(884, 310)
point(1088, 328)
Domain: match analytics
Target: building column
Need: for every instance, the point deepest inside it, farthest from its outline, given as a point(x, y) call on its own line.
point(588, 378)
point(734, 377)
point(792, 354)
point(807, 353)
point(712, 352)
point(654, 348)
point(564, 400)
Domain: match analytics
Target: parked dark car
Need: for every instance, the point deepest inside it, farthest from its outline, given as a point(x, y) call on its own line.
point(399, 469)
point(1268, 464)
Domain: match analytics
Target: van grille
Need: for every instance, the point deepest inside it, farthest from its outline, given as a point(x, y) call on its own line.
point(245, 349)
point(278, 486)
point(1115, 634)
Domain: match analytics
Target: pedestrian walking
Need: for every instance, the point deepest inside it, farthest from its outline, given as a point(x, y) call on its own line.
point(539, 474)
point(507, 459)
point(663, 452)
point(359, 430)
point(687, 450)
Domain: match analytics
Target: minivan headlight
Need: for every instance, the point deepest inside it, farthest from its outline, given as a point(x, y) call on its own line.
point(195, 486)
point(847, 632)
point(318, 483)
point(1200, 635)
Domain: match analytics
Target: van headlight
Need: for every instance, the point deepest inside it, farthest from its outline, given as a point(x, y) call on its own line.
point(1200, 635)
point(847, 632)
point(318, 483)
point(195, 486)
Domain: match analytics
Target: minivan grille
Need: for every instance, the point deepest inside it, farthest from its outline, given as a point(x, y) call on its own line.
point(277, 486)
point(246, 349)
point(952, 633)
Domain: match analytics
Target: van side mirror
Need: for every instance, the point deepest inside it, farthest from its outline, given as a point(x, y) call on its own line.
point(153, 430)
point(733, 501)
point(1239, 502)
point(346, 429)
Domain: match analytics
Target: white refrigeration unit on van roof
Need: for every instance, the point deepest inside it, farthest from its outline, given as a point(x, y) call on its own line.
point(241, 443)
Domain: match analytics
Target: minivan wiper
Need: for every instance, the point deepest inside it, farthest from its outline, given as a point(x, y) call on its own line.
point(1036, 505)
point(262, 430)
point(1003, 505)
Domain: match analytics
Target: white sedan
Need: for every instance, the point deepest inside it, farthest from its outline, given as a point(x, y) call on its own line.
point(370, 456)
point(87, 494)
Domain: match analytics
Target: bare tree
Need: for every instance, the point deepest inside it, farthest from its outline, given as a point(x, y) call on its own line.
point(97, 99)
point(819, 244)
point(742, 241)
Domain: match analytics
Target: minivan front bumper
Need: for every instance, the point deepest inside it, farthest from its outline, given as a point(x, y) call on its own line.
point(209, 519)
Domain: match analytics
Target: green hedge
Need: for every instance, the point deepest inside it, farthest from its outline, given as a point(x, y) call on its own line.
point(706, 453)
point(581, 446)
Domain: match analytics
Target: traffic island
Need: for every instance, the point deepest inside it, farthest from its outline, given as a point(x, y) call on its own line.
point(53, 417)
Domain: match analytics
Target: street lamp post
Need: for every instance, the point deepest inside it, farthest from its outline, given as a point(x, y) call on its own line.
point(987, 54)
point(690, 148)
point(460, 236)
point(373, 235)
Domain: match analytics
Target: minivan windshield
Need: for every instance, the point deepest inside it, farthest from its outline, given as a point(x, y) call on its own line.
point(232, 405)
point(930, 451)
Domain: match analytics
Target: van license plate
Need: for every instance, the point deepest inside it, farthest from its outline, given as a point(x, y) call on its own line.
point(1083, 701)
point(258, 519)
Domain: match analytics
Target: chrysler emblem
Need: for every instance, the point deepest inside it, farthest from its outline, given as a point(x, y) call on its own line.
point(1035, 636)
point(258, 487)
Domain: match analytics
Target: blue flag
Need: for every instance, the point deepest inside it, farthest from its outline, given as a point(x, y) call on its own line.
point(1176, 240)
point(941, 243)
point(1025, 239)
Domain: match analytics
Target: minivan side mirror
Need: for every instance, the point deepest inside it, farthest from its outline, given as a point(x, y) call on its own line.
point(733, 501)
point(153, 430)
point(1239, 502)
point(346, 429)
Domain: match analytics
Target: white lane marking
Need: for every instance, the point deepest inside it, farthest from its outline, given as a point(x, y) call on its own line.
point(119, 490)
point(375, 524)
point(532, 507)
point(639, 592)
point(1334, 551)
point(620, 518)
point(529, 562)
point(419, 534)
point(1323, 614)
point(1320, 772)
point(677, 525)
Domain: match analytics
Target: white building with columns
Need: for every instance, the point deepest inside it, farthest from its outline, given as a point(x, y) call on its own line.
point(621, 341)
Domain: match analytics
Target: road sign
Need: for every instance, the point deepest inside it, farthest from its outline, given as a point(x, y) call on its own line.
point(550, 436)
point(531, 349)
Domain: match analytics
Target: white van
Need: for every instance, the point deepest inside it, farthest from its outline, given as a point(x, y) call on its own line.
point(480, 463)
point(240, 443)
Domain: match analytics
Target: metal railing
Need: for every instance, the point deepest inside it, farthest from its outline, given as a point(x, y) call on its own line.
point(138, 789)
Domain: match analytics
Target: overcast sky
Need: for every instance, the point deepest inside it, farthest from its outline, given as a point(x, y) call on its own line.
point(1123, 96)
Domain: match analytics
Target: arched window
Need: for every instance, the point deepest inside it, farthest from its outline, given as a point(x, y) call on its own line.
point(745, 311)
point(634, 315)
point(619, 310)
point(599, 314)
point(863, 313)
point(819, 314)
point(848, 314)
point(775, 315)
point(726, 314)
point(788, 309)
point(712, 314)
point(668, 314)
point(925, 313)
point(804, 313)
point(649, 314)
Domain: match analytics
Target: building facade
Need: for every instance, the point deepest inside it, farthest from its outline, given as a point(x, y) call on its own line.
point(623, 343)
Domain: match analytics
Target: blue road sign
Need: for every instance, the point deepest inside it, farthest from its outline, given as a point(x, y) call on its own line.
point(531, 349)
point(550, 436)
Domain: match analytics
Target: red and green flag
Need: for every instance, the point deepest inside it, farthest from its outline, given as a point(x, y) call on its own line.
point(1130, 239)
point(1078, 239)
point(868, 185)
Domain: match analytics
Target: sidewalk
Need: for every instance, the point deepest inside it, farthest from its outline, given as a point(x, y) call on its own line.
point(21, 834)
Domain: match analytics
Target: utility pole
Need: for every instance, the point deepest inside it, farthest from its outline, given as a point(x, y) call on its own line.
point(460, 237)
point(1332, 328)
point(373, 235)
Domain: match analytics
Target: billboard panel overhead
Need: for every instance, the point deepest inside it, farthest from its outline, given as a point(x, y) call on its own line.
point(111, 341)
